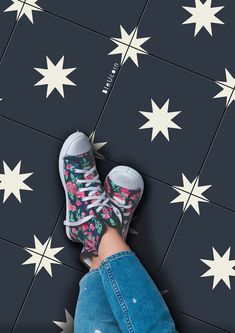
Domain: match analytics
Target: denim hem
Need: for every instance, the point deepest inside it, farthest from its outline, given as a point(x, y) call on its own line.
point(96, 270)
point(116, 256)
point(102, 263)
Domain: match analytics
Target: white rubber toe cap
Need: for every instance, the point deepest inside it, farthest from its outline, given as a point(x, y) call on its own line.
point(127, 177)
point(76, 144)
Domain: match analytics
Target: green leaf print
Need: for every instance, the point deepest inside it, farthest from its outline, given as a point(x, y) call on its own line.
point(73, 179)
point(71, 195)
point(112, 222)
point(71, 218)
point(78, 214)
point(115, 187)
point(98, 226)
point(85, 162)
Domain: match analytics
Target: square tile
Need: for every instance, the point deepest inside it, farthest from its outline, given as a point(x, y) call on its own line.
point(203, 44)
point(8, 17)
point(151, 230)
point(187, 324)
point(160, 143)
point(15, 281)
point(198, 271)
point(30, 190)
point(49, 86)
point(55, 296)
point(220, 164)
point(104, 17)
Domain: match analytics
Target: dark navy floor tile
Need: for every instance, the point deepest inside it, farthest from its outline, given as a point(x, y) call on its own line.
point(50, 305)
point(199, 270)
point(203, 44)
point(160, 119)
point(9, 11)
point(150, 232)
point(104, 17)
point(15, 281)
point(30, 190)
point(48, 87)
point(219, 169)
point(186, 324)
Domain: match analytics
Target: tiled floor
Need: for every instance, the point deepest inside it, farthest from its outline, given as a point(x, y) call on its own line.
point(152, 83)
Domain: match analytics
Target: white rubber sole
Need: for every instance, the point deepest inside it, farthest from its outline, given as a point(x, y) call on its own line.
point(123, 169)
point(62, 155)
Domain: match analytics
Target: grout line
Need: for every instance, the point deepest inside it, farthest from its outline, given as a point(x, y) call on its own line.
point(215, 134)
point(32, 281)
point(116, 163)
point(199, 320)
point(25, 298)
point(11, 33)
point(203, 163)
point(168, 61)
point(116, 78)
point(118, 73)
point(67, 20)
point(30, 127)
point(171, 240)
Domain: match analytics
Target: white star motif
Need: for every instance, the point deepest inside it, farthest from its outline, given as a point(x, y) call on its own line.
point(96, 145)
point(38, 251)
point(55, 76)
point(226, 91)
point(68, 325)
point(160, 120)
point(203, 15)
point(27, 9)
point(221, 268)
point(124, 41)
point(196, 196)
point(12, 181)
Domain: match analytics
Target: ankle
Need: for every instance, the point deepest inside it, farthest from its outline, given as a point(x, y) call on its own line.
point(95, 262)
point(111, 243)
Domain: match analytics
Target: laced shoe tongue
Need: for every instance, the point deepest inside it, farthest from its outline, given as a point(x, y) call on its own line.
point(83, 161)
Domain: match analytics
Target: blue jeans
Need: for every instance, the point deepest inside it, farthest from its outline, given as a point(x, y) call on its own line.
point(120, 296)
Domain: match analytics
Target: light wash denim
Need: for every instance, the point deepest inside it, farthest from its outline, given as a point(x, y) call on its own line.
point(120, 296)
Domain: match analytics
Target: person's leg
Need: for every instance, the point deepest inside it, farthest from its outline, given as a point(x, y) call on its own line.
point(136, 302)
point(111, 243)
point(93, 313)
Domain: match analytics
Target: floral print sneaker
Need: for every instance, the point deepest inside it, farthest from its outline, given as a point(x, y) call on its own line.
point(125, 187)
point(88, 208)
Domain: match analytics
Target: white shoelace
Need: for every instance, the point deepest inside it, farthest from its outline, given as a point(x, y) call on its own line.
point(100, 200)
point(120, 204)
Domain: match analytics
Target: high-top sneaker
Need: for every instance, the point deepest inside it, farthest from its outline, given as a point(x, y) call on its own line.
point(124, 185)
point(88, 208)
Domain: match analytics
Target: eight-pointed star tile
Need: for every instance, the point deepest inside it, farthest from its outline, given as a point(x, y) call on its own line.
point(195, 34)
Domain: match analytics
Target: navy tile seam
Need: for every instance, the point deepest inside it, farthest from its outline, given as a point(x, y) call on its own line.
point(199, 320)
point(129, 45)
point(117, 163)
point(10, 35)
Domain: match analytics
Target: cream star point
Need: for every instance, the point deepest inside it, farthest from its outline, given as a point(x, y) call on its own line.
point(96, 145)
point(160, 120)
point(12, 181)
point(68, 325)
point(203, 15)
point(55, 76)
point(42, 255)
point(227, 87)
point(195, 197)
point(135, 46)
point(23, 9)
point(221, 268)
